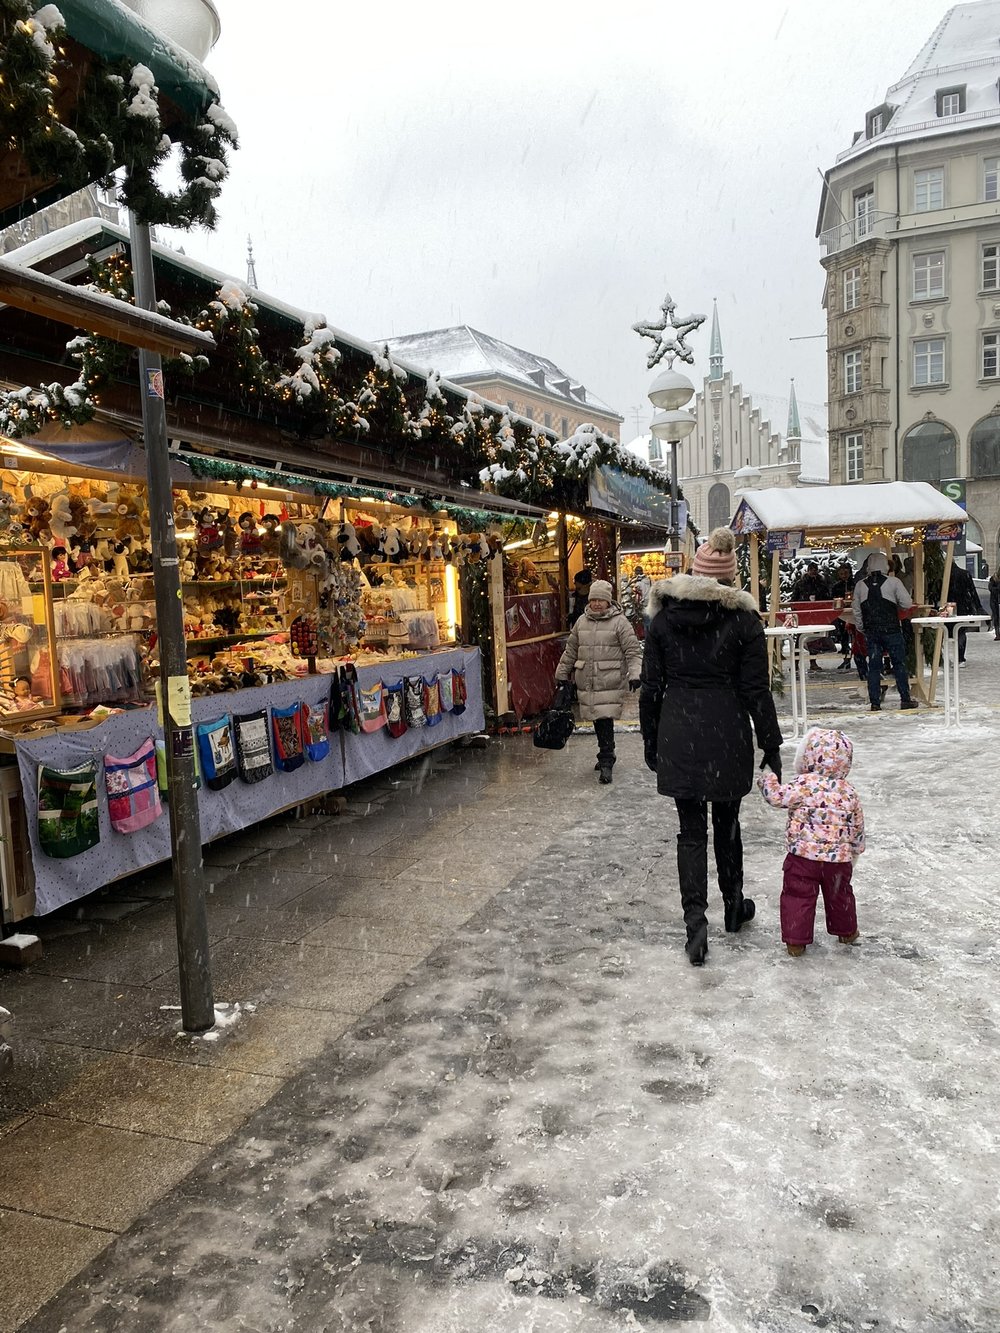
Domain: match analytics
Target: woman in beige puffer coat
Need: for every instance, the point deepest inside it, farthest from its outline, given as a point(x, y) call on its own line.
point(606, 657)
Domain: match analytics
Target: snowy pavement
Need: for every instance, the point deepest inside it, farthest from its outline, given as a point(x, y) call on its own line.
point(554, 1123)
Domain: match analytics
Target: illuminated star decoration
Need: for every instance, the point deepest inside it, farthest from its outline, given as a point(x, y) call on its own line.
point(668, 334)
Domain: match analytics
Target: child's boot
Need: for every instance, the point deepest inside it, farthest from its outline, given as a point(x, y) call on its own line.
point(849, 939)
point(796, 950)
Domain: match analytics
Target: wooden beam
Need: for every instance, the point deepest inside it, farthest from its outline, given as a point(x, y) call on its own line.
point(103, 315)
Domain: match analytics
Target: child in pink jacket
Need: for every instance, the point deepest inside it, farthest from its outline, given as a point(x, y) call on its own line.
point(825, 836)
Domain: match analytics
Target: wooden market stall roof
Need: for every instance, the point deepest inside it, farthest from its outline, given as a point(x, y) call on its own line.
point(845, 511)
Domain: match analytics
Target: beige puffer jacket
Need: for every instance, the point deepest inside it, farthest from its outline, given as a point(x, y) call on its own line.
point(605, 655)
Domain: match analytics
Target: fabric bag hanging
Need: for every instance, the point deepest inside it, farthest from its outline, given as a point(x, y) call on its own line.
point(253, 746)
point(336, 708)
point(459, 690)
point(217, 752)
point(289, 742)
point(373, 714)
point(432, 701)
point(352, 701)
point(413, 699)
point(395, 709)
point(67, 809)
point(317, 738)
point(445, 691)
point(133, 794)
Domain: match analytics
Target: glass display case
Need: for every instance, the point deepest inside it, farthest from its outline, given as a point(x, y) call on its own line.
point(29, 677)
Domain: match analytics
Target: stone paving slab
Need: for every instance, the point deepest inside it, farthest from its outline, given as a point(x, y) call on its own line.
point(90, 1174)
point(193, 1103)
point(41, 1071)
point(39, 1254)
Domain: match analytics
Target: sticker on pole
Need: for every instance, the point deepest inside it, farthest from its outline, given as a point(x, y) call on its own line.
point(154, 384)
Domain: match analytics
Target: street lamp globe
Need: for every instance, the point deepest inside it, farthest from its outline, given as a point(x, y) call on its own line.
point(747, 477)
point(670, 390)
point(673, 426)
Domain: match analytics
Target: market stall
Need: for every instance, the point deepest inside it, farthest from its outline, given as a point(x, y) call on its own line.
point(889, 516)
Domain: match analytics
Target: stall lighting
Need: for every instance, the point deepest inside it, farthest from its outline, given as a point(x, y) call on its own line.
point(451, 598)
point(513, 546)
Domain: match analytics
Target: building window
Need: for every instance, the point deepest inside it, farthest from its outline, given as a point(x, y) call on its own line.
point(852, 287)
point(875, 124)
point(928, 189)
point(854, 455)
point(928, 362)
point(991, 179)
point(529, 412)
point(930, 452)
point(864, 212)
point(984, 448)
point(548, 419)
point(720, 505)
point(928, 275)
point(991, 356)
point(950, 101)
point(991, 268)
point(852, 372)
point(565, 428)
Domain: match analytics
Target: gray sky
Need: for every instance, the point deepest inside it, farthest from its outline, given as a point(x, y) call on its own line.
point(545, 175)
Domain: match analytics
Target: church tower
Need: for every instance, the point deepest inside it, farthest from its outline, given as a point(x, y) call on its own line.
point(793, 433)
point(715, 351)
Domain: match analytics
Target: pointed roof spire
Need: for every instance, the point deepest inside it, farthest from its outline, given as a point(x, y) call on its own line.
point(794, 431)
point(251, 266)
point(715, 351)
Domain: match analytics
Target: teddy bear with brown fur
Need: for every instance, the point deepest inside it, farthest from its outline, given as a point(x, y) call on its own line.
point(37, 513)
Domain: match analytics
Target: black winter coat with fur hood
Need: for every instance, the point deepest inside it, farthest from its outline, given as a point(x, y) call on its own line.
point(704, 681)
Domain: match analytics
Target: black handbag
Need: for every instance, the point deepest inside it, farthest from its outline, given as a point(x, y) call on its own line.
point(554, 729)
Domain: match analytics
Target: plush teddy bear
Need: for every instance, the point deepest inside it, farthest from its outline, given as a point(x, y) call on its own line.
point(347, 541)
point(61, 523)
point(37, 513)
point(82, 519)
point(250, 541)
point(271, 539)
point(119, 559)
point(185, 554)
point(129, 520)
point(9, 524)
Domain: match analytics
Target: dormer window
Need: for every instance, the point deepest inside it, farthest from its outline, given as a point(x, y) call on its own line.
point(951, 101)
point(877, 120)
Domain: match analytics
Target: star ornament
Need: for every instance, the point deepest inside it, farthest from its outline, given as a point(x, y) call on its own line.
point(669, 333)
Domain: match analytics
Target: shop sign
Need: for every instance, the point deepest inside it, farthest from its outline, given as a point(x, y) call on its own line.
point(746, 521)
point(786, 541)
point(944, 532)
point(954, 489)
point(617, 493)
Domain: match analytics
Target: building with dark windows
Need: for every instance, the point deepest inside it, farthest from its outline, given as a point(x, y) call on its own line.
point(909, 226)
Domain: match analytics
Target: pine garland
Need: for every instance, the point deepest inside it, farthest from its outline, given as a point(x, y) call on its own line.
point(114, 122)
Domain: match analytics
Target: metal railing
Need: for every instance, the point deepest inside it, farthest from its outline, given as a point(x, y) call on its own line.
point(842, 237)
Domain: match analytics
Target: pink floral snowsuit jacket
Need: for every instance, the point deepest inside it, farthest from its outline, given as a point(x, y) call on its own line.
point(825, 819)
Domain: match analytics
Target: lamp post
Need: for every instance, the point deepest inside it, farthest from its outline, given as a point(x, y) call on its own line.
point(671, 390)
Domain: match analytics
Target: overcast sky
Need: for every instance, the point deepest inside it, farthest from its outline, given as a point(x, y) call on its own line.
point(546, 175)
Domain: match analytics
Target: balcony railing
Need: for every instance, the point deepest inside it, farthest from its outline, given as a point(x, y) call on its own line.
point(862, 228)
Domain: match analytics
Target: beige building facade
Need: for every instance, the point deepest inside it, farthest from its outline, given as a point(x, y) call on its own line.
point(909, 227)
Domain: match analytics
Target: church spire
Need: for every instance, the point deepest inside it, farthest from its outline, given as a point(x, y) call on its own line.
point(251, 266)
point(715, 351)
point(794, 431)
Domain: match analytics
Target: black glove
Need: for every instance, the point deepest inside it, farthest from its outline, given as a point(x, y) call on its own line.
point(634, 685)
point(772, 760)
point(649, 754)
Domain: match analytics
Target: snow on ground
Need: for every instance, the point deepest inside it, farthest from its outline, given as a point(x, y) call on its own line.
point(555, 1123)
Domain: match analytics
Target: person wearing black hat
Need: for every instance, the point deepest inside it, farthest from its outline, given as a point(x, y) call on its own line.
point(580, 595)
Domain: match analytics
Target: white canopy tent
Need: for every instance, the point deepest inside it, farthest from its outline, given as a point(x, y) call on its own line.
point(881, 514)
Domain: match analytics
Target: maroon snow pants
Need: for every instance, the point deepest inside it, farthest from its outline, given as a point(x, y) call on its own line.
point(800, 889)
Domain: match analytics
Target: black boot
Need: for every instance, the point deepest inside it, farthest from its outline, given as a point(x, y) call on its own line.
point(738, 912)
point(692, 869)
point(697, 946)
point(605, 774)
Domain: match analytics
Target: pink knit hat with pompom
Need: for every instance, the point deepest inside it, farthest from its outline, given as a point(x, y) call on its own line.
point(716, 558)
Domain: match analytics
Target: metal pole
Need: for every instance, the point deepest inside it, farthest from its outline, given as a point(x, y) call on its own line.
point(675, 535)
point(194, 962)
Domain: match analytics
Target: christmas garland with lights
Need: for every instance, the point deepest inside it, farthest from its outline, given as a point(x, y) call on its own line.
point(115, 122)
point(345, 394)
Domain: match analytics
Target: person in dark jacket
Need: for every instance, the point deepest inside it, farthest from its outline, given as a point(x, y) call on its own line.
point(811, 587)
point(962, 591)
point(878, 600)
point(842, 588)
point(579, 596)
point(994, 587)
point(705, 680)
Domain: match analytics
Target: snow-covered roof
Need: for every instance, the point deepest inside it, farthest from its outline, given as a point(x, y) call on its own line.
point(891, 504)
point(87, 229)
point(463, 353)
point(963, 51)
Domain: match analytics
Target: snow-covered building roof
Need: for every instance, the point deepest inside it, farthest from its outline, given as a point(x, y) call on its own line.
point(963, 53)
point(462, 354)
point(891, 504)
point(814, 453)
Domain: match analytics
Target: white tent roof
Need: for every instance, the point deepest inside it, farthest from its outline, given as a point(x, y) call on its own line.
point(891, 504)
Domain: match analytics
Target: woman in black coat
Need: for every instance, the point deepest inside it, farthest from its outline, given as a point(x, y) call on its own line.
point(705, 679)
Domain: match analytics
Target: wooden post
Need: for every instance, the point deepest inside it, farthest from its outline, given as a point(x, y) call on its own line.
point(920, 599)
point(562, 546)
point(949, 561)
point(500, 683)
point(773, 602)
point(755, 567)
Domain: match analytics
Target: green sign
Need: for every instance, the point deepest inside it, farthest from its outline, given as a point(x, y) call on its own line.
point(954, 490)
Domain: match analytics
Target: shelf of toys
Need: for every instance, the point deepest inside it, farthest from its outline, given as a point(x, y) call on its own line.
point(323, 645)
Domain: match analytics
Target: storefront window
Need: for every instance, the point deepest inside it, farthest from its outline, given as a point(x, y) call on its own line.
point(930, 452)
point(984, 448)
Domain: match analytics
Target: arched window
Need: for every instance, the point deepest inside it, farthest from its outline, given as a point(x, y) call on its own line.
point(930, 452)
point(719, 505)
point(984, 448)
